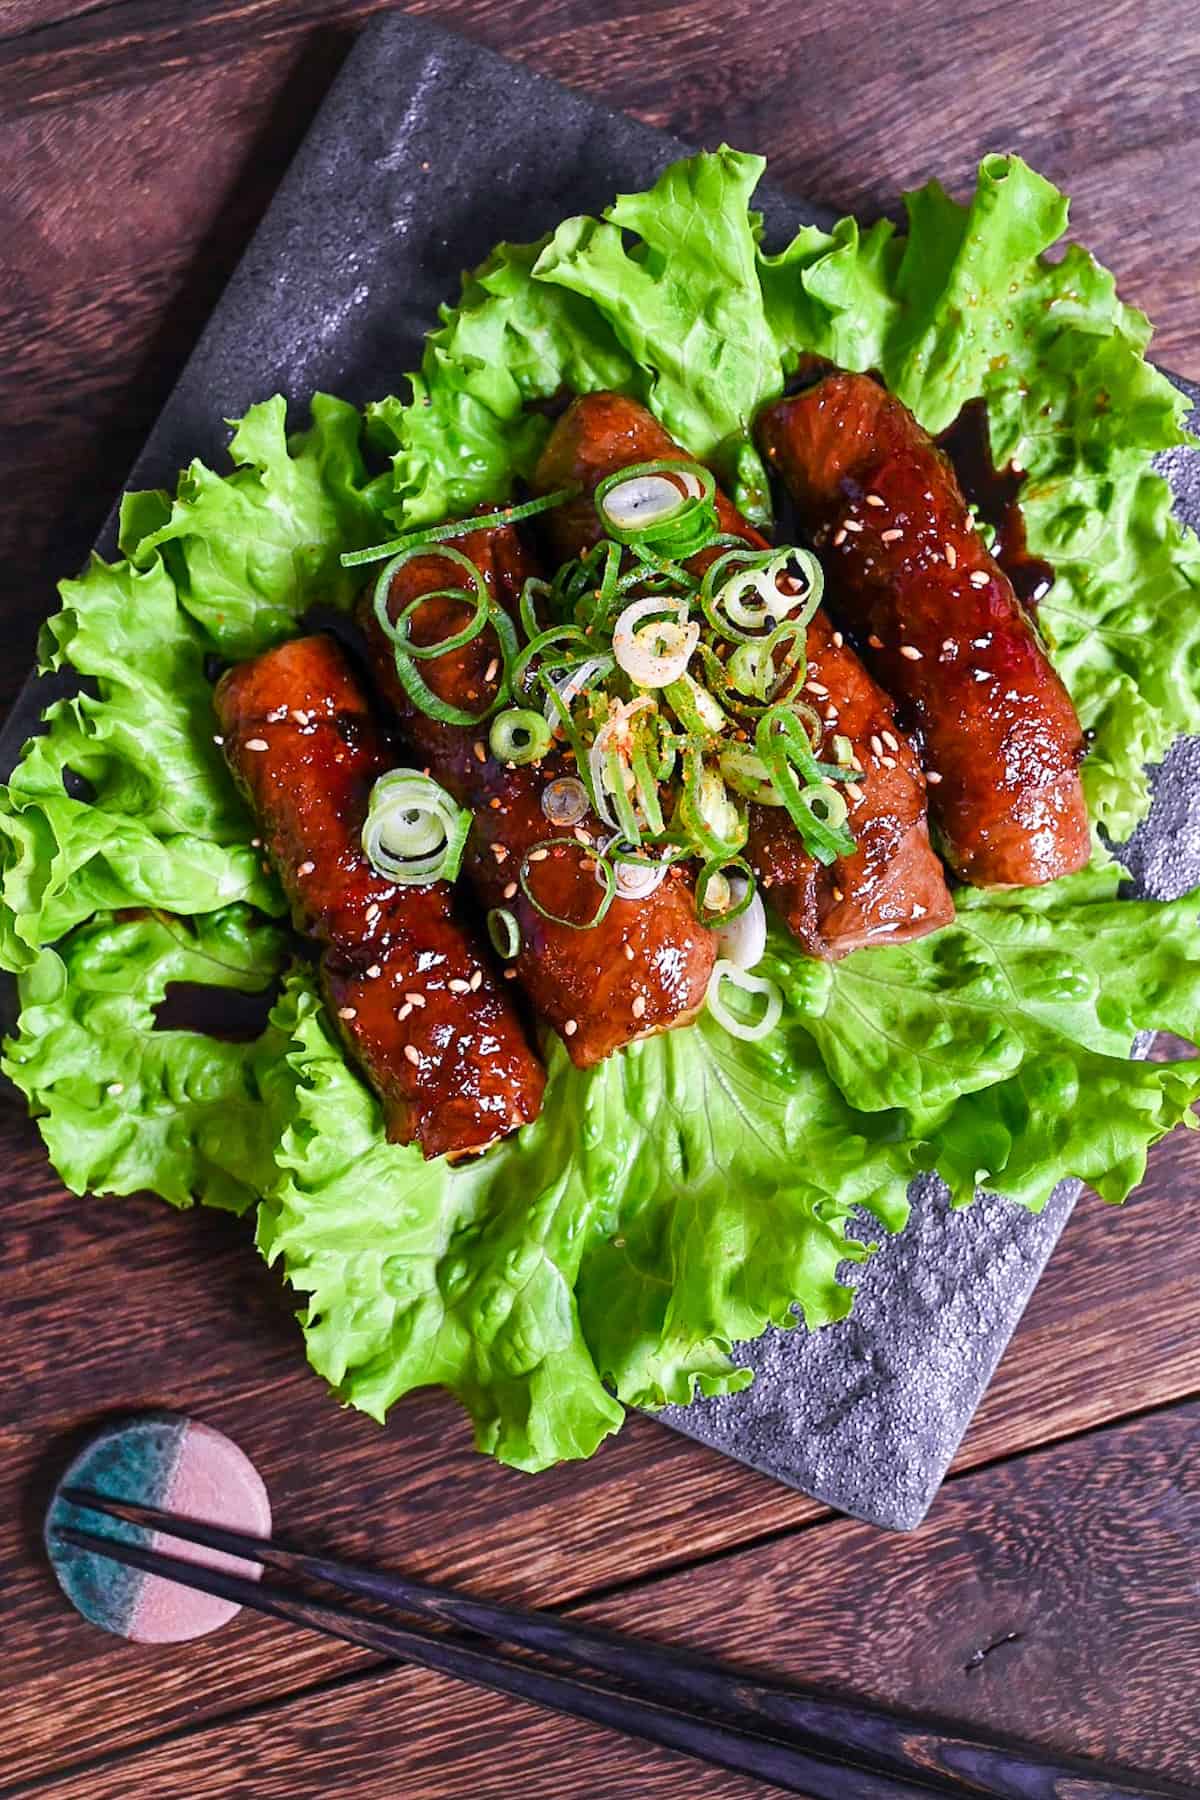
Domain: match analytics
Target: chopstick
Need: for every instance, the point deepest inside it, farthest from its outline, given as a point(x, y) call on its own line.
point(796, 1739)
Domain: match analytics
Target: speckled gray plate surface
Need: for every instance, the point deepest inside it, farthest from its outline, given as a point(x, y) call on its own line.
point(426, 152)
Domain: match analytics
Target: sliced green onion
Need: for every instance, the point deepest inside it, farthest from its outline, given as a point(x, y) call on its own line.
point(741, 572)
point(519, 736)
point(669, 503)
point(705, 811)
point(783, 745)
point(437, 534)
point(484, 613)
point(504, 932)
point(414, 833)
point(748, 776)
point(607, 880)
point(654, 651)
point(715, 896)
point(534, 589)
point(744, 984)
point(700, 715)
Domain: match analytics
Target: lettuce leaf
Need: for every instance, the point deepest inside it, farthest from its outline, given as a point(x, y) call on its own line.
point(252, 550)
point(509, 341)
point(695, 1189)
point(223, 570)
point(160, 824)
point(124, 1106)
point(663, 1205)
point(1004, 1040)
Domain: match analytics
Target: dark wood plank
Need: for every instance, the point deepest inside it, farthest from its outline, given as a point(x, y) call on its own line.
point(121, 1304)
point(141, 143)
point(1055, 1597)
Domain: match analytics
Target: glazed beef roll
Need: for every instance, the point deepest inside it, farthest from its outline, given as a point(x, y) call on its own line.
point(892, 888)
point(645, 965)
point(415, 996)
point(938, 623)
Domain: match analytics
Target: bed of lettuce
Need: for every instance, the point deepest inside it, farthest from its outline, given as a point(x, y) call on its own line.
point(694, 1189)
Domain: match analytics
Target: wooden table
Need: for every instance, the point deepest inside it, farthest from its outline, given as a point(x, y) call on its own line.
point(1054, 1590)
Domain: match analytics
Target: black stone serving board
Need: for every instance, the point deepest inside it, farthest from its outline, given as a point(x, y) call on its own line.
point(426, 152)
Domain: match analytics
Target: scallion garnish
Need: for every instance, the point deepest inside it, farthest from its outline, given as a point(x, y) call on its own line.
point(484, 615)
point(727, 975)
point(414, 833)
point(519, 735)
point(438, 534)
point(664, 505)
point(505, 933)
point(605, 875)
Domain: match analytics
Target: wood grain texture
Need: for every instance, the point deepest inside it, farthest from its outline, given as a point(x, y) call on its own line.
point(1046, 1599)
point(121, 1304)
point(139, 146)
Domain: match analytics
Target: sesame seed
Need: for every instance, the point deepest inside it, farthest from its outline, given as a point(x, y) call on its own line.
point(876, 746)
point(892, 536)
point(853, 524)
point(838, 640)
point(911, 651)
point(815, 687)
point(947, 643)
point(639, 1007)
point(476, 981)
point(510, 890)
point(347, 1012)
point(459, 987)
point(256, 743)
point(538, 855)
point(115, 1087)
point(854, 791)
point(489, 674)
point(374, 972)
point(402, 1013)
point(979, 578)
point(831, 715)
point(570, 1028)
point(628, 952)
point(256, 843)
point(876, 643)
point(218, 739)
point(412, 1053)
point(951, 556)
point(306, 868)
point(890, 739)
point(876, 500)
point(932, 776)
point(889, 762)
point(480, 752)
point(415, 999)
point(839, 537)
point(582, 836)
point(500, 853)
point(838, 894)
point(856, 761)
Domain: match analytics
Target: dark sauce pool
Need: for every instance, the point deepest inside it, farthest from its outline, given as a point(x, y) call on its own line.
point(996, 495)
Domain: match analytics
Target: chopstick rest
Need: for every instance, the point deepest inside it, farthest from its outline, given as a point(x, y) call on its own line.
point(178, 1465)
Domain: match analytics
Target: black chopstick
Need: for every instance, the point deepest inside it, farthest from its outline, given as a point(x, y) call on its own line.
point(795, 1739)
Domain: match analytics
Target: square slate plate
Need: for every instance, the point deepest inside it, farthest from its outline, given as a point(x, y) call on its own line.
point(425, 153)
